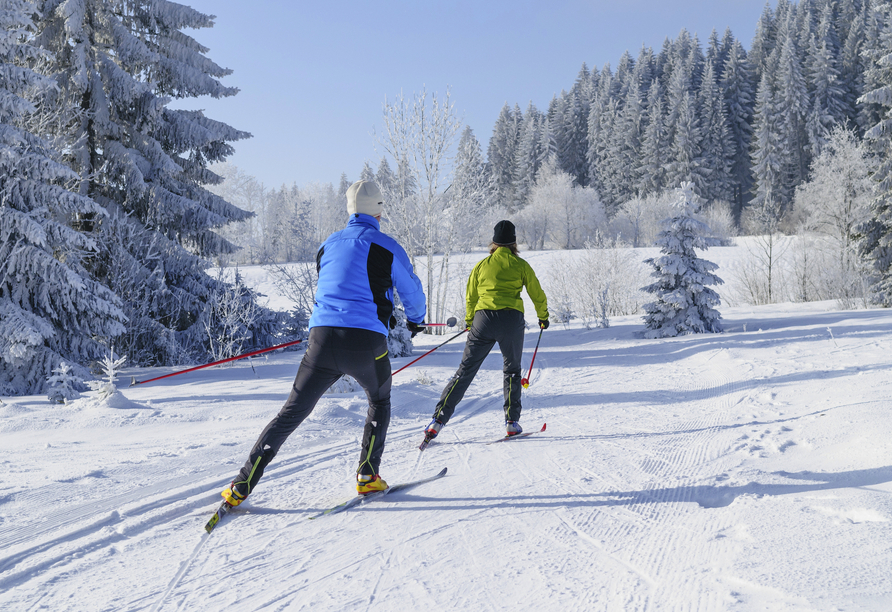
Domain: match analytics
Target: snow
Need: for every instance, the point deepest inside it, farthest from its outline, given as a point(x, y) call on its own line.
point(748, 470)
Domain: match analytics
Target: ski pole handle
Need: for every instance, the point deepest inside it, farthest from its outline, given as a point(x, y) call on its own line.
point(450, 322)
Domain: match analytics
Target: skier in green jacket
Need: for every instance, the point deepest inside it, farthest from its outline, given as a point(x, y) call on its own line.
point(494, 314)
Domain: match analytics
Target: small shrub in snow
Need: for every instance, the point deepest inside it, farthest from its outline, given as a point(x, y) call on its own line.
point(111, 367)
point(560, 292)
point(423, 378)
point(399, 340)
point(607, 281)
point(64, 386)
point(685, 304)
point(231, 317)
point(345, 384)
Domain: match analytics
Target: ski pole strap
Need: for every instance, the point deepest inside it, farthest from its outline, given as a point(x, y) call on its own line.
point(430, 351)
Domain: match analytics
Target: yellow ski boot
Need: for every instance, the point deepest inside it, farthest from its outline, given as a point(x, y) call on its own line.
point(369, 483)
point(232, 496)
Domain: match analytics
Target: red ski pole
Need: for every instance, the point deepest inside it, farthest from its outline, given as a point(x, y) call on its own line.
point(133, 381)
point(526, 381)
point(430, 351)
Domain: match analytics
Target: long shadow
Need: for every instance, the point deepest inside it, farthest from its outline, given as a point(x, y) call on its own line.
point(707, 496)
point(669, 396)
point(811, 326)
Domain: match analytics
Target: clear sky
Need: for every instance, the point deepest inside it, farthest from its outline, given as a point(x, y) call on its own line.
point(314, 74)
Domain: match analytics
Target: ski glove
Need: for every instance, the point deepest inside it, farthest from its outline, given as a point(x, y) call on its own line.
point(415, 328)
point(543, 323)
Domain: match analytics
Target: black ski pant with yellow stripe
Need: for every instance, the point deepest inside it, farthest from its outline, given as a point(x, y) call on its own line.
point(331, 352)
point(490, 326)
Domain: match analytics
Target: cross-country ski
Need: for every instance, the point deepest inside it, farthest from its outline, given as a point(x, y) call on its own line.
point(364, 499)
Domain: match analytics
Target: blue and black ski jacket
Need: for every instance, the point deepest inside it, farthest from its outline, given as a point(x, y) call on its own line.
point(358, 268)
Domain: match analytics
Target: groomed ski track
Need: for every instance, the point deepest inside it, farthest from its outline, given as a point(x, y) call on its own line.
point(703, 473)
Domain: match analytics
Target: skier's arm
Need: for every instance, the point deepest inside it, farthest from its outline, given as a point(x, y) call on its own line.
point(534, 290)
point(409, 286)
point(471, 297)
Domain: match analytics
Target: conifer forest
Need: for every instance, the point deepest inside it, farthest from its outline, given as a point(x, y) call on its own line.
point(122, 225)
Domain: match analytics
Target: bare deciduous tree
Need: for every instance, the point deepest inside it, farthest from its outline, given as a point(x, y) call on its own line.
point(419, 134)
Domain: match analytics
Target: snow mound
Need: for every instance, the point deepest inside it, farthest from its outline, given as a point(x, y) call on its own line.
point(115, 400)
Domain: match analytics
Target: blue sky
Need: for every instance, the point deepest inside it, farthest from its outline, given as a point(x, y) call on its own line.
point(314, 75)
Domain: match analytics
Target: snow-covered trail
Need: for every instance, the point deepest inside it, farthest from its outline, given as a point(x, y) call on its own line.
point(750, 470)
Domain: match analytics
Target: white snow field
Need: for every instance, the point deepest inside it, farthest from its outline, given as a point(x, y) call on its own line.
point(749, 470)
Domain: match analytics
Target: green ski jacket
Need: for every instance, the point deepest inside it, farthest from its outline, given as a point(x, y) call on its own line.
point(495, 284)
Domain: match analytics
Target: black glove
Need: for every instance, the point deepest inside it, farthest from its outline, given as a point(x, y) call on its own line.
point(543, 323)
point(392, 322)
point(415, 328)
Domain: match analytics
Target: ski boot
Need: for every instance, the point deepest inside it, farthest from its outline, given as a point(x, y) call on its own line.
point(232, 495)
point(369, 483)
point(432, 430)
point(513, 428)
point(430, 433)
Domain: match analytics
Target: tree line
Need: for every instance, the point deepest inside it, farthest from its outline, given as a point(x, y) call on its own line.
point(114, 204)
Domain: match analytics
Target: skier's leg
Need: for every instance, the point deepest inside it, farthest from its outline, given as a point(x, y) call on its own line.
point(511, 345)
point(364, 356)
point(477, 347)
point(314, 376)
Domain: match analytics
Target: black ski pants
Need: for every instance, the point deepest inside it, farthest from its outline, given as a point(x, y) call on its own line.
point(490, 326)
point(331, 352)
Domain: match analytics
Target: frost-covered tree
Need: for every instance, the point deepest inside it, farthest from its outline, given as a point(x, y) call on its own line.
point(638, 221)
point(560, 212)
point(245, 191)
point(117, 67)
point(827, 108)
point(50, 308)
point(831, 204)
point(716, 144)
point(421, 131)
point(764, 41)
point(64, 385)
point(767, 150)
point(875, 234)
point(528, 156)
point(791, 99)
point(652, 164)
point(469, 194)
point(686, 163)
point(738, 87)
point(465, 220)
point(502, 154)
point(685, 304)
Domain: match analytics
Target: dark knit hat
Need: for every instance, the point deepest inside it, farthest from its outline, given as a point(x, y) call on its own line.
point(504, 233)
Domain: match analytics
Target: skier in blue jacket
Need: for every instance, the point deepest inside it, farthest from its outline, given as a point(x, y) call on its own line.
point(358, 267)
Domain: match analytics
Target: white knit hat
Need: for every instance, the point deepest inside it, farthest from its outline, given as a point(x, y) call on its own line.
point(365, 198)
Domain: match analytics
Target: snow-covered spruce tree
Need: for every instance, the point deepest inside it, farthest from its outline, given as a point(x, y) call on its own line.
point(717, 146)
point(528, 156)
point(64, 385)
point(50, 310)
point(738, 87)
point(117, 66)
point(502, 154)
point(685, 304)
point(875, 235)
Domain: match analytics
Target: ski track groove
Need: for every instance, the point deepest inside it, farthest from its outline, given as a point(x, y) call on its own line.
point(84, 527)
point(684, 453)
point(662, 506)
